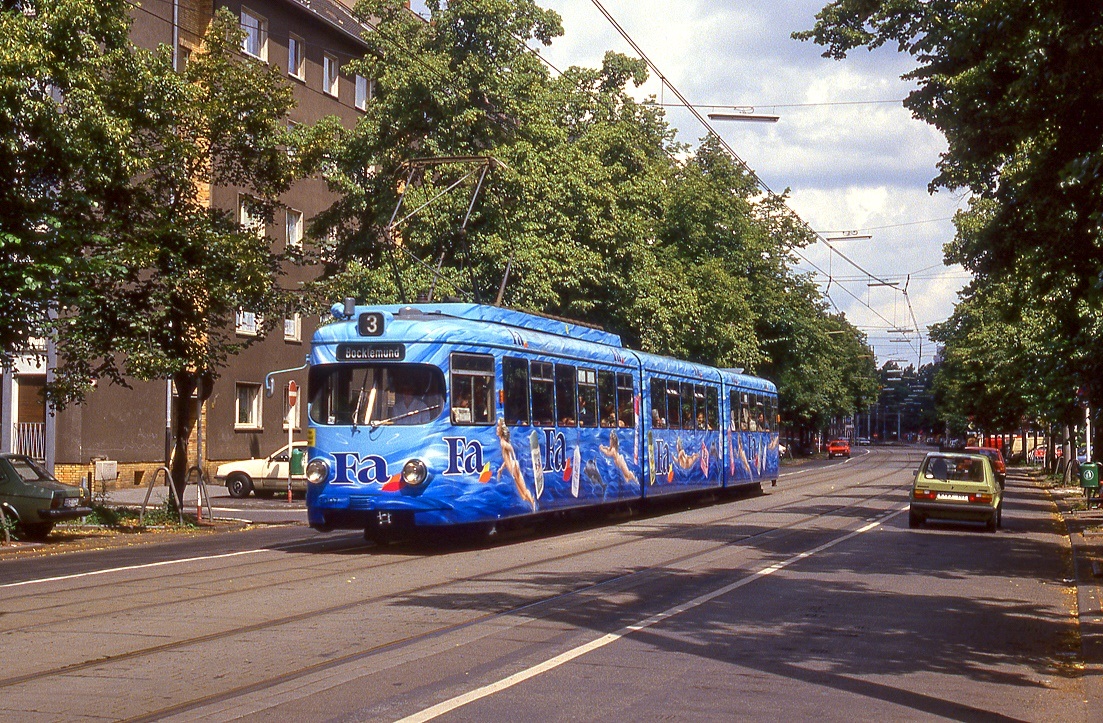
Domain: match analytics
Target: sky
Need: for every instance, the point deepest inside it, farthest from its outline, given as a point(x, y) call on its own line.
point(852, 157)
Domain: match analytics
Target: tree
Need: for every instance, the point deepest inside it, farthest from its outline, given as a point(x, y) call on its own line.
point(63, 151)
point(150, 274)
point(1015, 86)
point(598, 213)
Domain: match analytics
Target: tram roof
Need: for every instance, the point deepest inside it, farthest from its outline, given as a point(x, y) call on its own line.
point(452, 323)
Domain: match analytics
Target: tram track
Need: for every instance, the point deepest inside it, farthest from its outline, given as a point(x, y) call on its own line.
point(597, 585)
point(555, 602)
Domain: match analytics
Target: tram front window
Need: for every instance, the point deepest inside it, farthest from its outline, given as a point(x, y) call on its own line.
point(398, 394)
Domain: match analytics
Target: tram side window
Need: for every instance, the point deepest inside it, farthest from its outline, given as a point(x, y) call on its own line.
point(673, 406)
point(515, 378)
point(733, 410)
point(587, 398)
point(687, 405)
point(752, 412)
point(712, 408)
point(626, 402)
point(658, 404)
point(744, 412)
point(770, 417)
point(699, 405)
point(760, 413)
point(543, 394)
point(472, 389)
point(607, 398)
point(565, 395)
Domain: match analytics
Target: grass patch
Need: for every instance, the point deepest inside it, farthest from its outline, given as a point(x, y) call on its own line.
point(130, 518)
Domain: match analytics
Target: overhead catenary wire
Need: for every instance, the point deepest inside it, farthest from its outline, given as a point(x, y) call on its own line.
point(739, 160)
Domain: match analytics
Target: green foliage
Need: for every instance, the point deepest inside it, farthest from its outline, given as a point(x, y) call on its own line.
point(129, 518)
point(1014, 85)
point(107, 240)
point(59, 162)
point(598, 213)
point(171, 271)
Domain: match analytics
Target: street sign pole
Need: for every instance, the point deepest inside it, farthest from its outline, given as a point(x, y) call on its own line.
point(292, 400)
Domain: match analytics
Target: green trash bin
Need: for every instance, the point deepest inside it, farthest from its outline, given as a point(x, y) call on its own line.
point(1089, 476)
point(299, 454)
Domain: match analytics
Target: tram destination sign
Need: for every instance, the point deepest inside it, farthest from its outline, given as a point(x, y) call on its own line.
point(371, 352)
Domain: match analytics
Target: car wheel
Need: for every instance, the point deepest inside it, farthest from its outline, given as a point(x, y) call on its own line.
point(993, 522)
point(239, 485)
point(999, 516)
point(914, 520)
point(39, 531)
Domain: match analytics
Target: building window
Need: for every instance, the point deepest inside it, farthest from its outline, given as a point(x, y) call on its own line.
point(296, 68)
point(255, 42)
point(294, 229)
point(248, 406)
point(329, 74)
point(293, 328)
point(249, 215)
point(247, 323)
point(364, 91)
point(183, 57)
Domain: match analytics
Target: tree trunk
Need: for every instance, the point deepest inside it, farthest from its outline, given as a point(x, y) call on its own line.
point(184, 416)
point(182, 409)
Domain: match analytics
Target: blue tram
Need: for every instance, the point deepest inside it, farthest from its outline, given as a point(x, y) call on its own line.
point(444, 414)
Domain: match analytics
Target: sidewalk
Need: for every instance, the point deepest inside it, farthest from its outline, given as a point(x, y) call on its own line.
point(1085, 531)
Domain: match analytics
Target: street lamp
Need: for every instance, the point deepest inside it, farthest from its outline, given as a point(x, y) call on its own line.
point(744, 115)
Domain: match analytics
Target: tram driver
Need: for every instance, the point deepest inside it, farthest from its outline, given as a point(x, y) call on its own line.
point(409, 406)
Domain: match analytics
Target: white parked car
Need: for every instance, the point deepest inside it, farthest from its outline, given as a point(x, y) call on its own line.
point(266, 477)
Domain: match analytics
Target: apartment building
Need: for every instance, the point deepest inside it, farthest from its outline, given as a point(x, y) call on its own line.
point(311, 41)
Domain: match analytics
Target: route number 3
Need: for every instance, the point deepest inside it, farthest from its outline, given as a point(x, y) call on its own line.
point(371, 324)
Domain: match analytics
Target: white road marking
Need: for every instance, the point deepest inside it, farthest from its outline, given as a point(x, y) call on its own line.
point(552, 663)
point(147, 565)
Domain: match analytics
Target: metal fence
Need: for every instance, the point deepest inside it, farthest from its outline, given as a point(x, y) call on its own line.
point(30, 439)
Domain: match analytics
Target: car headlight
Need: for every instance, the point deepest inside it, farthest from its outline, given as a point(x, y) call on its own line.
point(317, 471)
point(414, 472)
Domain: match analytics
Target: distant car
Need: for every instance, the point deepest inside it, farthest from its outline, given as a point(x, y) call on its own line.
point(34, 500)
point(956, 486)
point(863, 441)
point(838, 447)
point(999, 467)
point(265, 476)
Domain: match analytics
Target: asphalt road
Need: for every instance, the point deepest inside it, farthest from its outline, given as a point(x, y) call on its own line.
point(813, 600)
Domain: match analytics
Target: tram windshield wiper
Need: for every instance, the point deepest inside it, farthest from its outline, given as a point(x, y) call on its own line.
point(360, 402)
point(412, 412)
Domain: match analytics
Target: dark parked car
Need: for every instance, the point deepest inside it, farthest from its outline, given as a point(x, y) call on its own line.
point(34, 500)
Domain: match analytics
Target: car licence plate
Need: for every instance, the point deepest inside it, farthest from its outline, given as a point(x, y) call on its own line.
point(952, 497)
point(71, 501)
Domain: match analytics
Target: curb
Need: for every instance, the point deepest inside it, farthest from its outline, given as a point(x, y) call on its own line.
point(1084, 528)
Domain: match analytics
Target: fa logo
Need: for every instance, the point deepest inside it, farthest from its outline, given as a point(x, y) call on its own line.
point(662, 456)
point(351, 467)
point(555, 455)
point(463, 457)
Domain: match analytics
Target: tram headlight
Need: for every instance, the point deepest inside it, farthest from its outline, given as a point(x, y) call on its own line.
point(414, 472)
point(317, 471)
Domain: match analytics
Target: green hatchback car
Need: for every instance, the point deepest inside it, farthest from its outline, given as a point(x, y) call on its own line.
point(955, 486)
point(33, 500)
